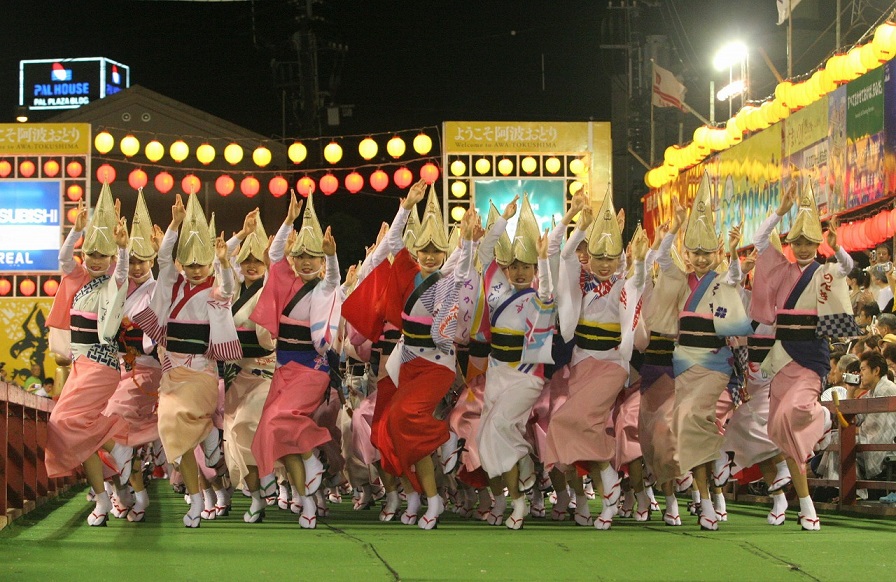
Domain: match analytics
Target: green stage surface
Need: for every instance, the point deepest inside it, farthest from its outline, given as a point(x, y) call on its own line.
point(54, 543)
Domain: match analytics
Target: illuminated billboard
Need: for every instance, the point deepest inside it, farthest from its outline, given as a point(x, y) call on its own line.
point(30, 225)
point(69, 83)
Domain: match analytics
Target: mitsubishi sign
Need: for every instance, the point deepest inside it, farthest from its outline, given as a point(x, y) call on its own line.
point(69, 83)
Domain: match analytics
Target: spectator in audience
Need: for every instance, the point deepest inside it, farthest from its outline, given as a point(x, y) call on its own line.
point(872, 343)
point(882, 254)
point(880, 287)
point(889, 353)
point(878, 428)
point(3, 376)
point(886, 324)
point(858, 282)
point(34, 379)
point(49, 387)
point(839, 364)
point(866, 315)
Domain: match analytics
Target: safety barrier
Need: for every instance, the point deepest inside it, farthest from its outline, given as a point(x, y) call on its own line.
point(23, 437)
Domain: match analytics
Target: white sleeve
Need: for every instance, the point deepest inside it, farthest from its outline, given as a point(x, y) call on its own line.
point(67, 252)
point(734, 274)
point(278, 245)
point(121, 267)
point(490, 241)
point(762, 236)
point(332, 278)
point(555, 238)
point(845, 262)
point(227, 284)
point(638, 276)
point(232, 244)
point(664, 253)
point(545, 284)
point(569, 250)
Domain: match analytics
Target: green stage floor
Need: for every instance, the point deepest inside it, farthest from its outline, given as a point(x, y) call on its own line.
point(54, 543)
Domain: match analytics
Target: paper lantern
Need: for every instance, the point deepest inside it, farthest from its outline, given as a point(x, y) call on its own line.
point(249, 186)
point(104, 142)
point(179, 151)
point(278, 186)
point(824, 249)
point(884, 41)
point(458, 189)
point(458, 212)
point(297, 152)
point(50, 287)
point(233, 153)
point(51, 168)
point(163, 182)
point(305, 186)
point(5, 286)
point(368, 148)
point(422, 144)
point(354, 182)
point(881, 226)
point(333, 153)
point(27, 287)
point(224, 185)
point(261, 156)
point(27, 169)
point(395, 147)
point(552, 165)
point(782, 92)
point(505, 167)
point(105, 174)
point(5, 169)
point(574, 187)
point(429, 172)
point(379, 180)
point(458, 168)
point(190, 184)
point(205, 154)
point(529, 164)
point(577, 166)
point(735, 135)
point(74, 192)
point(701, 137)
point(154, 151)
point(403, 177)
point(329, 184)
point(129, 145)
point(869, 56)
point(137, 179)
point(483, 166)
point(71, 215)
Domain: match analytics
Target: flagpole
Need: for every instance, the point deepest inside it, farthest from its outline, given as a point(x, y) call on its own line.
point(789, 39)
point(652, 128)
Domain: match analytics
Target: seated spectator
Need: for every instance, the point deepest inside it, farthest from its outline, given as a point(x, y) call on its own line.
point(839, 364)
point(880, 288)
point(858, 281)
point(827, 463)
point(49, 387)
point(3, 376)
point(886, 324)
point(889, 353)
point(37, 373)
point(872, 343)
point(878, 428)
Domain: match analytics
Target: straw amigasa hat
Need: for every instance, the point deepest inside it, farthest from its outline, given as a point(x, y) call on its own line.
point(453, 239)
point(525, 240)
point(605, 237)
point(99, 235)
point(432, 228)
point(411, 229)
point(194, 246)
point(311, 238)
point(700, 234)
point(141, 231)
point(255, 244)
point(807, 223)
point(503, 254)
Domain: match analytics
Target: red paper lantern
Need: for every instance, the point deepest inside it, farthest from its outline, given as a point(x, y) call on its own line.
point(305, 186)
point(429, 172)
point(224, 185)
point(881, 226)
point(249, 186)
point(278, 186)
point(379, 180)
point(868, 231)
point(26, 169)
point(824, 249)
point(73, 169)
point(27, 287)
point(5, 169)
point(164, 182)
point(71, 215)
point(51, 168)
point(354, 182)
point(74, 192)
point(137, 179)
point(105, 174)
point(329, 184)
point(190, 184)
point(403, 177)
point(5, 286)
point(843, 237)
point(50, 287)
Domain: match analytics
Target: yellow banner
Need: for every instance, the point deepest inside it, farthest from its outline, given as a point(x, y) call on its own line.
point(25, 340)
point(44, 138)
point(523, 136)
point(806, 126)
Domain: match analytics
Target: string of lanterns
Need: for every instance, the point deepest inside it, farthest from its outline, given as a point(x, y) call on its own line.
point(789, 96)
point(278, 185)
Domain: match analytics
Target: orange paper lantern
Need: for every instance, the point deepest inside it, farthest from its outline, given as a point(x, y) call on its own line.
point(224, 185)
point(190, 184)
point(329, 184)
point(73, 169)
point(5, 169)
point(164, 182)
point(51, 168)
point(50, 287)
point(5, 286)
point(379, 180)
point(278, 186)
point(26, 169)
point(429, 172)
point(249, 186)
point(305, 186)
point(27, 287)
point(137, 179)
point(354, 182)
point(403, 177)
point(105, 174)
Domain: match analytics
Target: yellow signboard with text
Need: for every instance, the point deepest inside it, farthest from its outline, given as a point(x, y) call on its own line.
point(44, 138)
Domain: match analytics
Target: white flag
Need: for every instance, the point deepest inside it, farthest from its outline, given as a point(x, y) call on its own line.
point(667, 90)
point(784, 9)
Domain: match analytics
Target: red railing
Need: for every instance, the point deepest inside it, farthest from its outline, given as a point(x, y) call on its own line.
point(23, 436)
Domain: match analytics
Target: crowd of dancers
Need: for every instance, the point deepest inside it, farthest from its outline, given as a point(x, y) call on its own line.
point(468, 370)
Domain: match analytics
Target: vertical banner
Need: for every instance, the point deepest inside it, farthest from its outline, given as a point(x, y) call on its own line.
point(25, 339)
point(806, 148)
point(864, 138)
point(837, 148)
